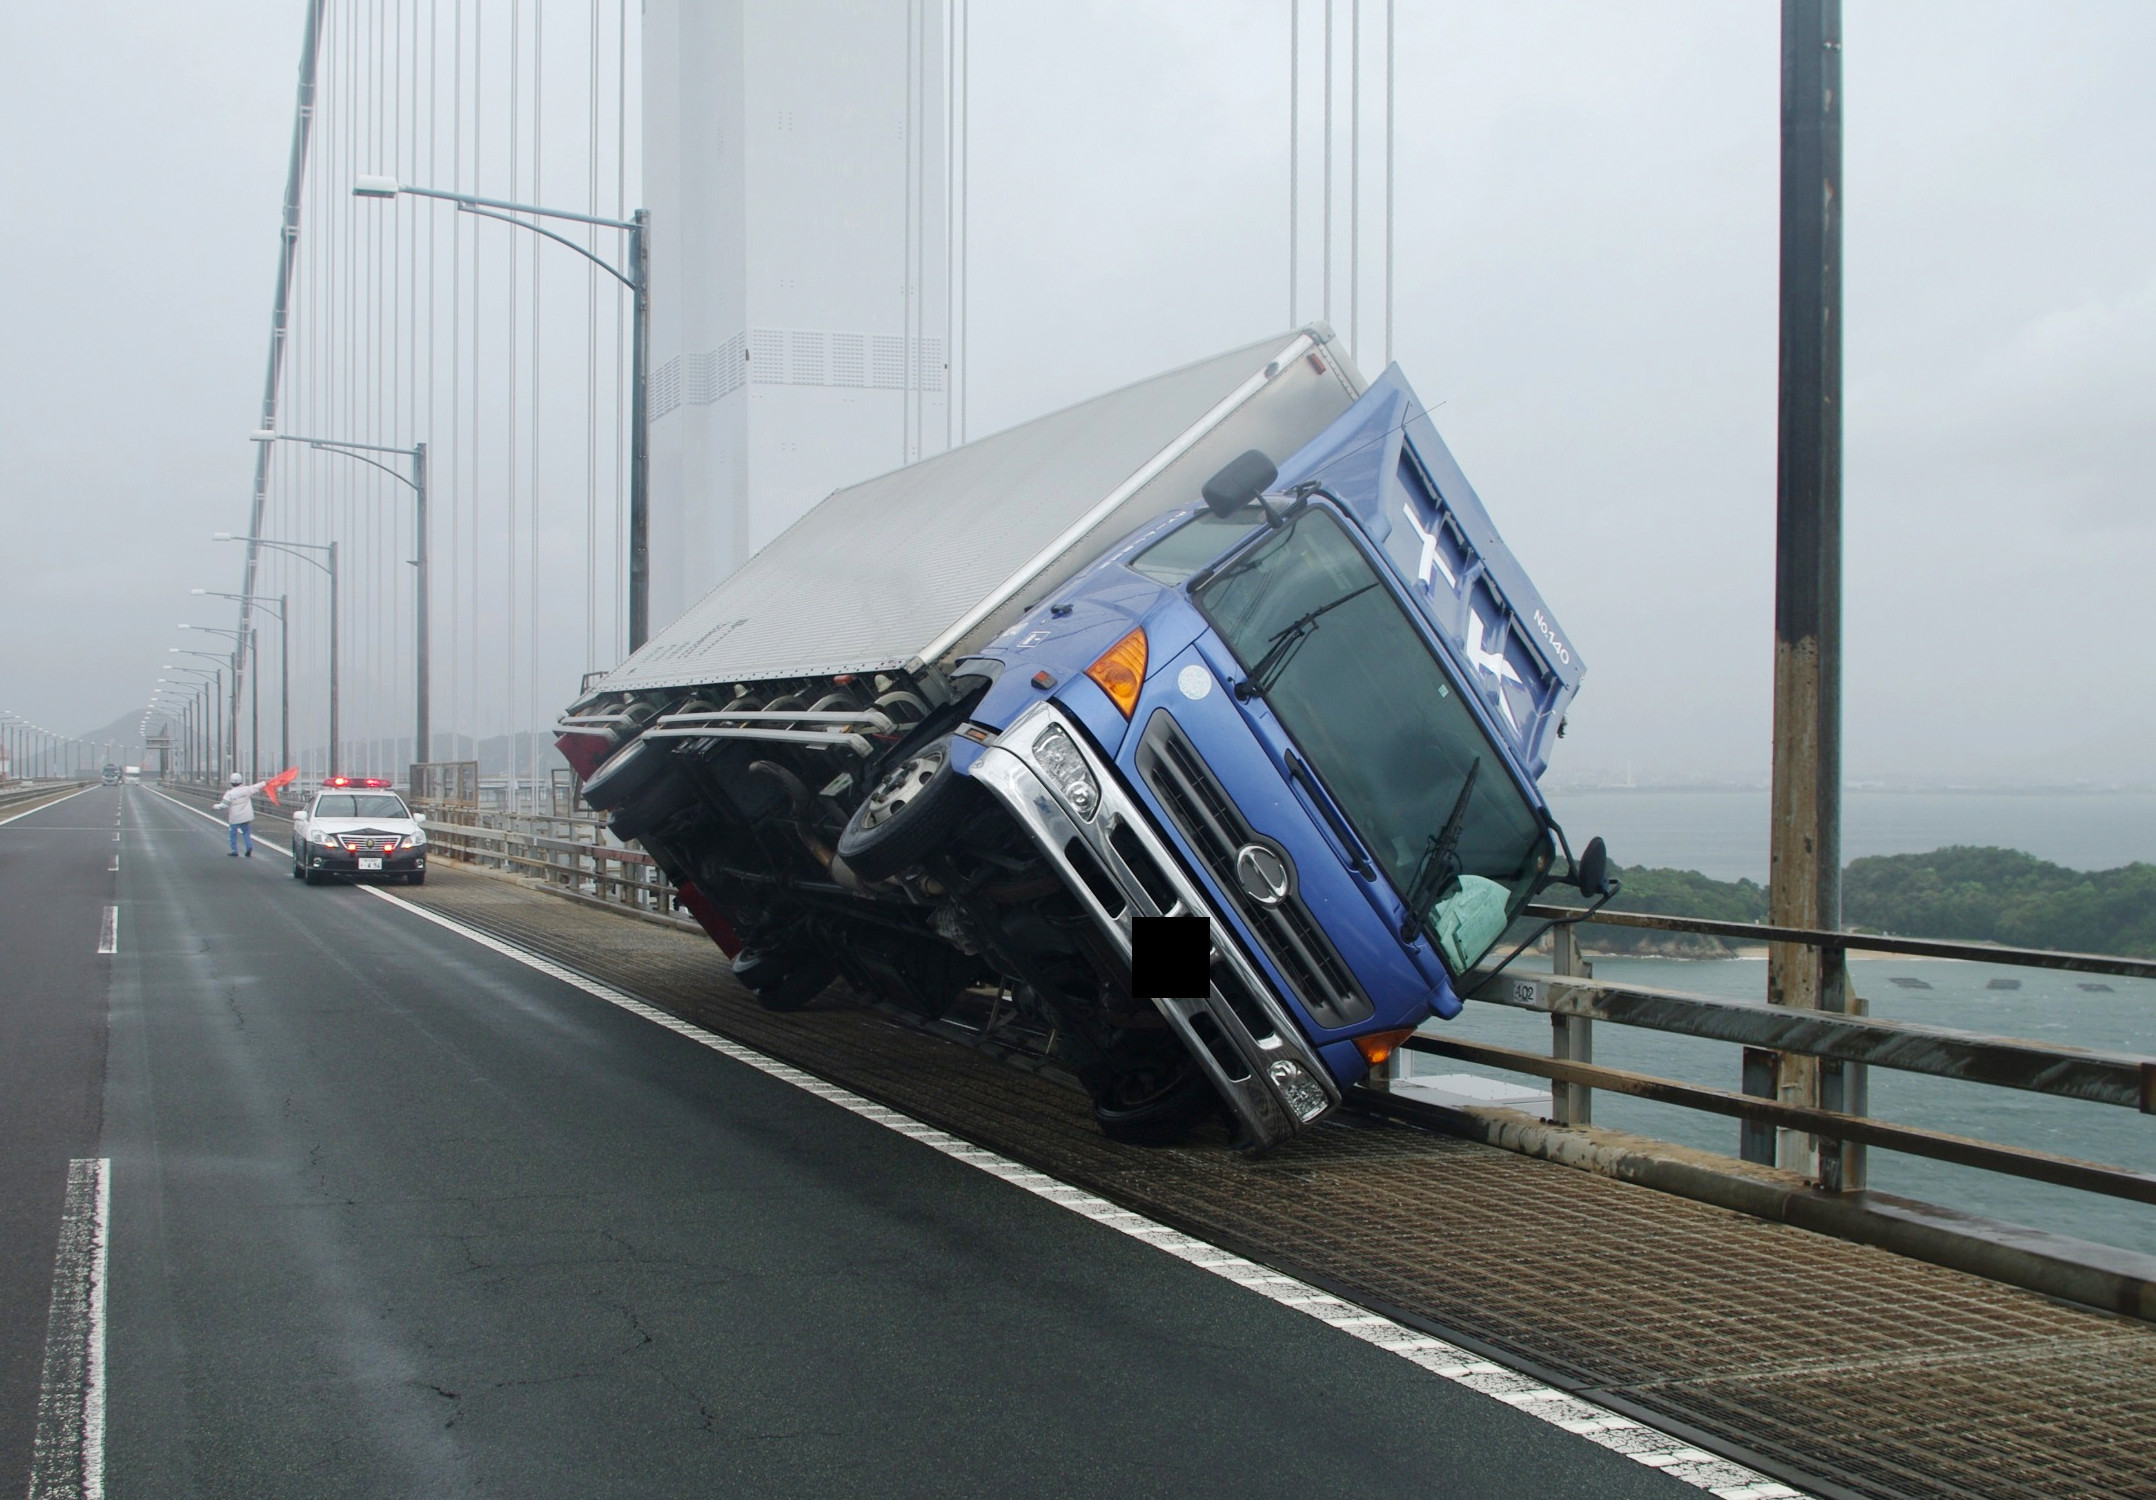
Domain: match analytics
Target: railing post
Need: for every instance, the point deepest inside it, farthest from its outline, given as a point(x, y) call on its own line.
point(1844, 1087)
point(1572, 1038)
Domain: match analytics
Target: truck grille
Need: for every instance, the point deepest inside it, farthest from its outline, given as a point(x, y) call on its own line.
point(1214, 829)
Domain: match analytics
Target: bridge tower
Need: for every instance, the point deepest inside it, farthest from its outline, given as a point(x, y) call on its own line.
point(795, 156)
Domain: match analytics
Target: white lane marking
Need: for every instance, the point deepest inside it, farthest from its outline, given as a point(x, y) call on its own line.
point(1635, 1440)
point(55, 802)
point(115, 865)
point(108, 935)
point(221, 823)
point(67, 1458)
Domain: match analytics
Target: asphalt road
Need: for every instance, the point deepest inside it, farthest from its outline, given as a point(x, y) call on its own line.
point(394, 1215)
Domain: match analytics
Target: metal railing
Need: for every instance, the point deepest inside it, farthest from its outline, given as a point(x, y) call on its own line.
point(572, 852)
point(1846, 1044)
point(14, 793)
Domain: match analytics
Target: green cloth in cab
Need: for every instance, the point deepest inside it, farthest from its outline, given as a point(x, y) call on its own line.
point(1469, 920)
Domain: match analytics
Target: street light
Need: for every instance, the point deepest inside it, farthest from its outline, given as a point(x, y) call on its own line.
point(215, 723)
point(416, 481)
point(637, 278)
point(300, 551)
point(284, 666)
point(195, 721)
point(230, 723)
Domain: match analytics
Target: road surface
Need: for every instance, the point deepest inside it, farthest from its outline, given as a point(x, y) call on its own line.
point(393, 1214)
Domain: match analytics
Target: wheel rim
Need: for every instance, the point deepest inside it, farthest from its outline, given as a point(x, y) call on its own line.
point(900, 785)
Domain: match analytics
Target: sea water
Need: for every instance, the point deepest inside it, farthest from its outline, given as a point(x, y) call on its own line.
point(1724, 834)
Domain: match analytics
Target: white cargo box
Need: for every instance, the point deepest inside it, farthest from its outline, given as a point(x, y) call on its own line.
point(919, 566)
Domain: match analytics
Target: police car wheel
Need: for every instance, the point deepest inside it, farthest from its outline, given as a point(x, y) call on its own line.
point(299, 866)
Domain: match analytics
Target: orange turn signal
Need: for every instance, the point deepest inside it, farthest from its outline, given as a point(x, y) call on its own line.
point(1379, 1045)
point(1120, 672)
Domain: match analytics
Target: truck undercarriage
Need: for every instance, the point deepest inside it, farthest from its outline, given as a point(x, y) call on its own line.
point(824, 825)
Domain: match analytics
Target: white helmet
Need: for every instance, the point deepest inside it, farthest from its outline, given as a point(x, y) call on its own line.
point(235, 778)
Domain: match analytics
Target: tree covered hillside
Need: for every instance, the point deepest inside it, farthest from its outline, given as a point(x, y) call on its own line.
point(2004, 896)
point(1974, 894)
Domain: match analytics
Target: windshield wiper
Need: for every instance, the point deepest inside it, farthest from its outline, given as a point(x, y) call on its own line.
point(1440, 864)
point(1286, 642)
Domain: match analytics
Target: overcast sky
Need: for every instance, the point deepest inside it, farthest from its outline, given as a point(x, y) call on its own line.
point(1586, 293)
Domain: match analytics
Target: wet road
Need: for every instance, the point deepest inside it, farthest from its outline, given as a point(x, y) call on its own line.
point(392, 1214)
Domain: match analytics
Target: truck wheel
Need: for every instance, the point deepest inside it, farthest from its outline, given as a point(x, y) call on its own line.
point(783, 980)
point(908, 814)
point(1156, 1103)
point(629, 770)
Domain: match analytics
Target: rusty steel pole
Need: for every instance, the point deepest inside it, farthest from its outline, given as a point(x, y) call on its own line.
point(1804, 881)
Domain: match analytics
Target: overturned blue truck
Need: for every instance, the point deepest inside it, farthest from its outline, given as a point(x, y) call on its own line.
point(1238, 642)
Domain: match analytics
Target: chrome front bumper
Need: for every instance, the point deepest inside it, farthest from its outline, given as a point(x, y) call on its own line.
point(1263, 1100)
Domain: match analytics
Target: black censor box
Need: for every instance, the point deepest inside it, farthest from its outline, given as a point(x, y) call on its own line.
point(1171, 958)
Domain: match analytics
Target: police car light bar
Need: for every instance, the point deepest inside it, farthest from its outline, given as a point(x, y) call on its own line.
point(363, 781)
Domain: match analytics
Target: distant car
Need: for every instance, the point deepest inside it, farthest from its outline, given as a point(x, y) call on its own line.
point(357, 827)
point(111, 775)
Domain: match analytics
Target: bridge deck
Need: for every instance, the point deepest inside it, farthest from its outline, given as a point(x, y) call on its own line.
point(1842, 1367)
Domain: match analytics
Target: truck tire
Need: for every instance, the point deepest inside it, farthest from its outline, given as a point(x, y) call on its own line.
point(1155, 1104)
point(907, 815)
point(785, 980)
point(634, 768)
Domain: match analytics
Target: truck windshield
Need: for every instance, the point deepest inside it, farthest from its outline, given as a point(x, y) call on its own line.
point(1380, 720)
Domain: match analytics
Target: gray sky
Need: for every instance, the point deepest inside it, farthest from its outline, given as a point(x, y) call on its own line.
point(1586, 285)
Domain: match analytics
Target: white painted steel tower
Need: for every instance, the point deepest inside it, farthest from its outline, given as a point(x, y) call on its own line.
point(795, 163)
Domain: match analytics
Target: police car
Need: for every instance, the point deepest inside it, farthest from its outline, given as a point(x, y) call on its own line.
point(357, 827)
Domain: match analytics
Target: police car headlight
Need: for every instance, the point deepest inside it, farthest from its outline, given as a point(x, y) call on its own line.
point(320, 836)
point(1059, 757)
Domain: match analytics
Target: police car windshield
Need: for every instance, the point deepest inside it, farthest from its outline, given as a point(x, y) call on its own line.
point(359, 805)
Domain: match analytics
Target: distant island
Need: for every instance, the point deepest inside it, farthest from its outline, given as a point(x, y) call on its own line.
point(1973, 894)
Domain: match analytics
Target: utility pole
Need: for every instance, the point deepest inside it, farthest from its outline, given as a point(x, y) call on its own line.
point(1804, 881)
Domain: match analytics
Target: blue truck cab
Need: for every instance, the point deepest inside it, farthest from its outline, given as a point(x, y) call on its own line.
point(1313, 714)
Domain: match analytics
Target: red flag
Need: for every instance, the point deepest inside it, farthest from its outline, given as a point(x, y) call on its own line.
point(285, 777)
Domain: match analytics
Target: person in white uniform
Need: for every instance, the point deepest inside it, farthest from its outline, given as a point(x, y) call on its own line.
point(238, 805)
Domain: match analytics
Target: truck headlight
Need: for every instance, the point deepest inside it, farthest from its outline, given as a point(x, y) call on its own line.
point(1298, 1090)
point(1066, 767)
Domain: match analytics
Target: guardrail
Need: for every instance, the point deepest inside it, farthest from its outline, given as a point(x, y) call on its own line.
point(1845, 1044)
point(574, 854)
point(570, 852)
point(29, 791)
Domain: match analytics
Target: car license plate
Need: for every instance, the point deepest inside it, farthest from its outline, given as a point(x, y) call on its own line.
point(370, 864)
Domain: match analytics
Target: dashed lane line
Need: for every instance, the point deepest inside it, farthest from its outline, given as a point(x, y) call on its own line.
point(67, 1457)
point(108, 932)
point(1635, 1440)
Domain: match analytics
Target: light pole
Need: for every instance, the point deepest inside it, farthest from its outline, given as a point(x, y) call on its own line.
point(193, 721)
point(215, 722)
point(284, 664)
point(230, 723)
point(416, 481)
point(635, 274)
point(301, 550)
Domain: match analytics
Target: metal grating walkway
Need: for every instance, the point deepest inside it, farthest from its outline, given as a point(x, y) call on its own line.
point(1835, 1365)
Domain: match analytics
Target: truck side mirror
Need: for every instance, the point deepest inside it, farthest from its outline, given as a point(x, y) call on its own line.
point(1240, 481)
point(1592, 872)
